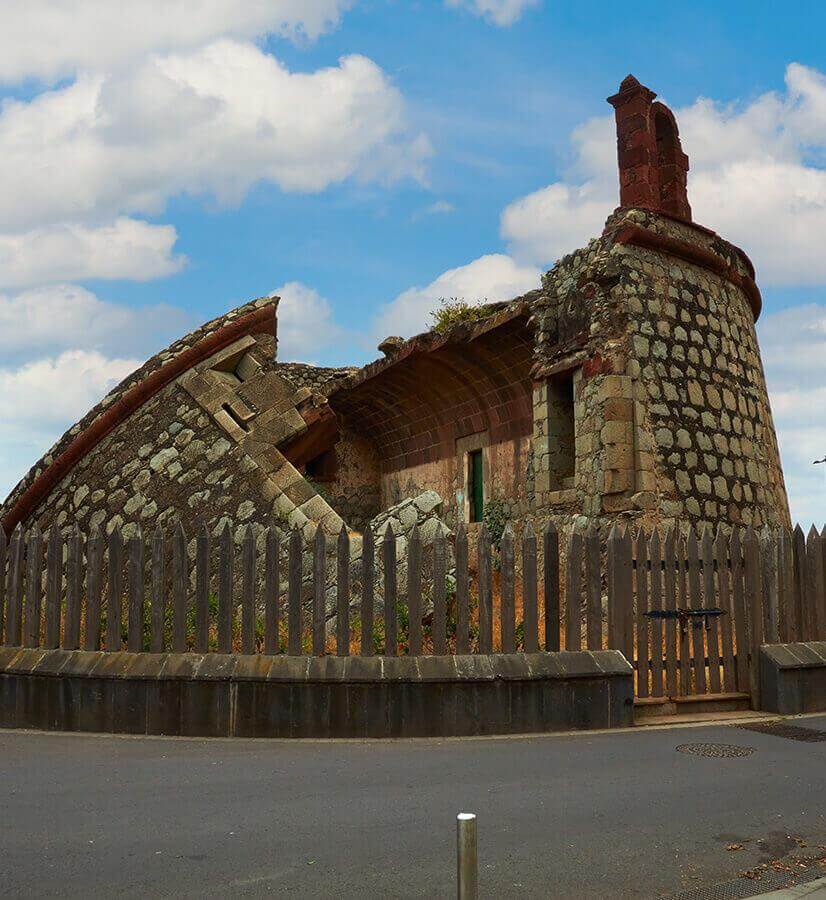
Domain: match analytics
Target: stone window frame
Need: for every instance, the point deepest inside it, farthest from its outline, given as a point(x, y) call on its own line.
point(464, 447)
point(560, 493)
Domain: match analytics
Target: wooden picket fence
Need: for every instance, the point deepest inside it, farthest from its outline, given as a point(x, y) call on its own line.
point(690, 611)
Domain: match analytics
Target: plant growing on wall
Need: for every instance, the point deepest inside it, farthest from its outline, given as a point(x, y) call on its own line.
point(495, 516)
point(455, 310)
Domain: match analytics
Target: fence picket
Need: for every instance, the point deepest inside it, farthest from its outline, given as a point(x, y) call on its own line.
point(319, 591)
point(54, 583)
point(462, 592)
point(738, 597)
point(642, 618)
point(656, 604)
point(34, 587)
point(530, 618)
point(180, 584)
point(485, 583)
point(724, 599)
point(3, 556)
point(114, 593)
point(550, 586)
point(508, 591)
point(94, 589)
point(343, 593)
point(786, 609)
point(14, 617)
point(821, 599)
point(202, 589)
point(698, 631)
point(814, 567)
point(754, 600)
point(670, 605)
point(74, 590)
point(134, 639)
point(272, 590)
point(225, 578)
point(620, 593)
point(684, 648)
point(294, 575)
point(368, 590)
point(414, 592)
point(593, 589)
point(439, 594)
point(158, 579)
point(388, 555)
point(248, 572)
point(801, 582)
point(710, 601)
point(573, 593)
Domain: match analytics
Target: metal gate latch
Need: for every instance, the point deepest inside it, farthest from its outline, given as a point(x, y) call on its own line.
point(683, 615)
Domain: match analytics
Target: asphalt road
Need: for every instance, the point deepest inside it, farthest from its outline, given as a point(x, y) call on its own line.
point(589, 815)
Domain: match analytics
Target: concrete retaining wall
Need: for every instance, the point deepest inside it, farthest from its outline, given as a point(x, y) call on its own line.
point(793, 677)
point(264, 696)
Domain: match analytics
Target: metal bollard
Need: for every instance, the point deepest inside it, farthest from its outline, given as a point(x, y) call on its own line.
point(466, 860)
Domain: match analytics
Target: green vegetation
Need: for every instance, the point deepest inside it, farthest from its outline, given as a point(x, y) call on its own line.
point(455, 310)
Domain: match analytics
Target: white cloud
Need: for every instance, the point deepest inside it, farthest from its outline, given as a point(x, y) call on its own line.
point(793, 344)
point(487, 279)
point(212, 122)
point(127, 248)
point(500, 12)
point(51, 38)
point(45, 320)
point(754, 178)
point(306, 327)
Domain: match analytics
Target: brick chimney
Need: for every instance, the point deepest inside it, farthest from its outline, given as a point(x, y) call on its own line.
point(653, 169)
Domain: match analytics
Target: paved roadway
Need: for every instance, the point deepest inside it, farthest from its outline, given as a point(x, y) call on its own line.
point(588, 815)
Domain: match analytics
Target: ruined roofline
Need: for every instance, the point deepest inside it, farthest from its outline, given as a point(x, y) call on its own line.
point(255, 317)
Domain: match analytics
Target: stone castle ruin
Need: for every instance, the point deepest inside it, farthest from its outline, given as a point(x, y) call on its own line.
point(627, 387)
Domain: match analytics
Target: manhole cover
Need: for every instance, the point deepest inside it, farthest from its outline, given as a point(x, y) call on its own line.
point(716, 751)
point(783, 730)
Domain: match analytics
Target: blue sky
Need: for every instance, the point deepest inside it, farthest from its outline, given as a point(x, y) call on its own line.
point(367, 157)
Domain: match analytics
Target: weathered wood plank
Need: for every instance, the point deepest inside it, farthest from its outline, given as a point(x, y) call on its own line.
point(697, 627)
point(530, 595)
point(34, 587)
point(822, 597)
point(620, 592)
point(724, 601)
point(738, 599)
point(343, 593)
point(573, 593)
point(462, 592)
point(3, 583)
point(710, 600)
point(507, 556)
point(642, 619)
point(54, 584)
point(114, 592)
point(439, 594)
point(272, 590)
point(180, 584)
point(814, 570)
point(134, 633)
point(786, 610)
point(17, 556)
point(593, 589)
point(248, 573)
point(670, 605)
point(74, 590)
point(319, 591)
point(414, 592)
point(202, 589)
point(801, 584)
point(294, 576)
point(226, 564)
point(550, 562)
point(768, 574)
point(94, 590)
point(388, 554)
point(368, 591)
point(754, 606)
point(158, 578)
point(485, 579)
point(684, 645)
point(656, 603)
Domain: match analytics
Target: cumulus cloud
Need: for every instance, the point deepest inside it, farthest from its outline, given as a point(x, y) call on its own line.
point(52, 38)
point(499, 12)
point(126, 248)
point(306, 326)
point(755, 178)
point(45, 320)
point(487, 279)
point(793, 344)
point(213, 122)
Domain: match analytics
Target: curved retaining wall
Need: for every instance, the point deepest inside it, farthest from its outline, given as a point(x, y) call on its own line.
point(218, 695)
